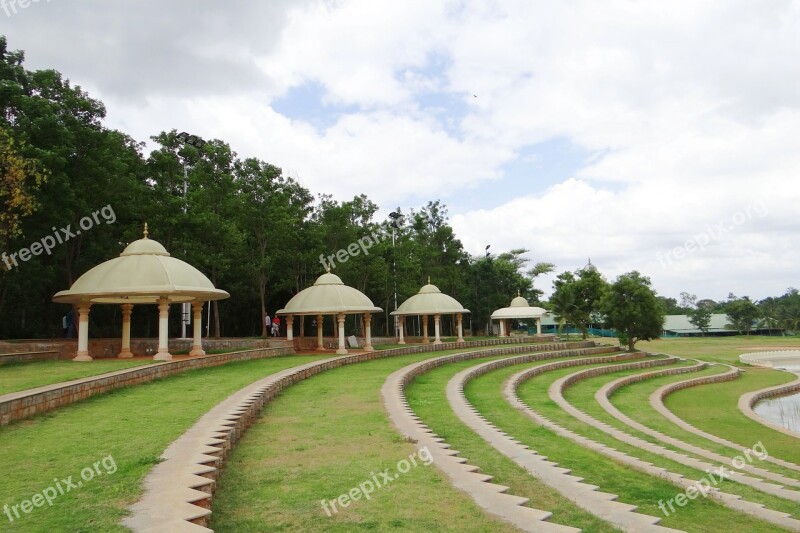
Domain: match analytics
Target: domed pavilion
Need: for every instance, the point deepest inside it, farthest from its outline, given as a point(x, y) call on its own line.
point(143, 274)
point(518, 309)
point(330, 296)
point(431, 301)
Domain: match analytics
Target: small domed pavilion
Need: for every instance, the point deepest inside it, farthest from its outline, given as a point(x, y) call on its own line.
point(519, 309)
point(431, 301)
point(330, 296)
point(144, 273)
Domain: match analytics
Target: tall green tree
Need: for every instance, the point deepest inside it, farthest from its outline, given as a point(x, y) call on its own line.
point(742, 314)
point(577, 297)
point(632, 308)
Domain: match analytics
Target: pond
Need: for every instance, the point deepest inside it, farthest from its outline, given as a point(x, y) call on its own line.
point(783, 411)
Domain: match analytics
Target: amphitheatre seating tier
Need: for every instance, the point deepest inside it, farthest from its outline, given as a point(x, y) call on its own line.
point(603, 398)
point(659, 395)
point(601, 504)
point(178, 491)
point(729, 500)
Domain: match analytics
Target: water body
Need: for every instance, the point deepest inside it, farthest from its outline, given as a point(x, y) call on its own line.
point(783, 411)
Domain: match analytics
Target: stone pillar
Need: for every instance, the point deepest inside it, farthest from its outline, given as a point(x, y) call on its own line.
point(437, 320)
point(125, 351)
point(163, 331)
point(342, 348)
point(425, 339)
point(460, 328)
point(83, 333)
point(538, 326)
point(197, 324)
point(289, 327)
point(368, 333)
point(401, 323)
point(320, 344)
point(502, 328)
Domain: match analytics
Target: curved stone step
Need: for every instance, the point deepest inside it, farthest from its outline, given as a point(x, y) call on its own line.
point(657, 402)
point(757, 510)
point(749, 399)
point(489, 496)
point(601, 504)
point(603, 397)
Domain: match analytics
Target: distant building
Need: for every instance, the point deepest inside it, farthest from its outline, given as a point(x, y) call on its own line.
point(679, 326)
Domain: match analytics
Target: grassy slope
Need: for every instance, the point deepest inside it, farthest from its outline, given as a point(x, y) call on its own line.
point(318, 440)
point(133, 424)
point(20, 376)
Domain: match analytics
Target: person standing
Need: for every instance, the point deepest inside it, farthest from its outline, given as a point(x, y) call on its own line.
point(276, 326)
point(267, 323)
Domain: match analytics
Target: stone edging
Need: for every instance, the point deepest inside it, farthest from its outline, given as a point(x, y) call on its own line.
point(729, 500)
point(600, 504)
point(556, 393)
point(178, 491)
point(659, 395)
point(489, 496)
point(603, 397)
point(24, 404)
point(749, 399)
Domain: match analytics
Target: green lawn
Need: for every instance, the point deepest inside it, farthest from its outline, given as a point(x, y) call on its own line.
point(318, 440)
point(631, 486)
point(20, 376)
point(717, 349)
point(133, 425)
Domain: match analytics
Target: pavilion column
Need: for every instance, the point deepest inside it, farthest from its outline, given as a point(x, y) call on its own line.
point(163, 331)
point(320, 344)
point(342, 349)
point(368, 332)
point(502, 328)
point(425, 339)
point(83, 333)
point(289, 327)
point(197, 324)
point(538, 326)
point(460, 328)
point(401, 323)
point(437, 320)
point(125, 351)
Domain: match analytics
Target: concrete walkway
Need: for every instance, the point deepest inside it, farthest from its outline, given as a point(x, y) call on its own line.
point(585, 496)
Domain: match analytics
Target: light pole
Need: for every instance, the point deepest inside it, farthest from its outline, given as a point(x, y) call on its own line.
point(394, 215)
point(488, 316)
point(197, 142)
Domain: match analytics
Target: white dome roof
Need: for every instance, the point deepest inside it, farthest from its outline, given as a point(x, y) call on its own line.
point(328, 295)
point(519, 308)
point(143, 273)
point(430, 301)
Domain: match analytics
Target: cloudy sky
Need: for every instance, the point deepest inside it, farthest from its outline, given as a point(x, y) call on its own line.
point(657, 136)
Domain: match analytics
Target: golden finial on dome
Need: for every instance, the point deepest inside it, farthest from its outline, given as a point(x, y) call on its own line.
point(429, 280)
point(146, 233)
point(328, 269)
point(518, 293)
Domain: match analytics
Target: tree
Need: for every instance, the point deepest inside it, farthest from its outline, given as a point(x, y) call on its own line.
point(700, 317)
point(742, 313)
point(19, 179)
point(632, 308)
point(577, 297)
